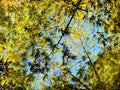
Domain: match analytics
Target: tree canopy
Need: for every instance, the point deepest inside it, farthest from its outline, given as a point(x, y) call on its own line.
point(71, 44)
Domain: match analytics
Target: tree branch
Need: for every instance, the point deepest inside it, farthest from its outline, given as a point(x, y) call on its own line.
point(90, 62)
point(77, 79)
point(66, 28)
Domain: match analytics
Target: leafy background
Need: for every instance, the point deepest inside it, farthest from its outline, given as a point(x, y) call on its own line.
point(59, 44)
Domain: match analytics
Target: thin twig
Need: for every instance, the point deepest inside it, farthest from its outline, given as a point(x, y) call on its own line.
point(66, 28)
point(90, 61)
point(77, 79)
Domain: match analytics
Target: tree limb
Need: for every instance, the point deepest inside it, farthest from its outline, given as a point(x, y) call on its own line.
point(91, 62)
point(66, 28)
point(77, 79)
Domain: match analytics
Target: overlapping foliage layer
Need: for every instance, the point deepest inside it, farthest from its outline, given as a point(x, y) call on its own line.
point(36, 37)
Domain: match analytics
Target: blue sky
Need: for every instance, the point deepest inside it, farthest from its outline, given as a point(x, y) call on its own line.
point(91, 45)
